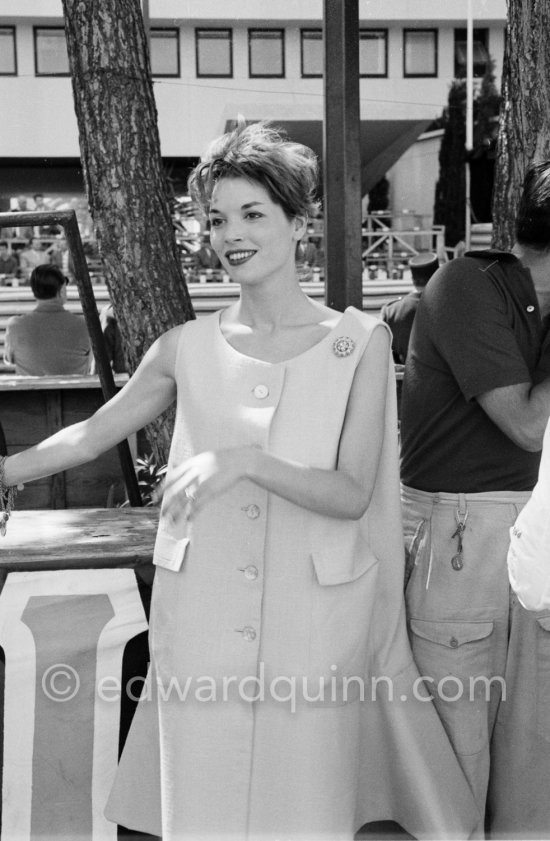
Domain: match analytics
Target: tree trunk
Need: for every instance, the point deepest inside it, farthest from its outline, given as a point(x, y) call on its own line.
point(524, 133)
point(121, 162)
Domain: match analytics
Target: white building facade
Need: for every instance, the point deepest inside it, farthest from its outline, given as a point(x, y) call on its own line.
point(213, 59)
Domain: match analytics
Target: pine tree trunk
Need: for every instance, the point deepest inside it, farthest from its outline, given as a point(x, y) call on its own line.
point(524, 133)
point(121, 162)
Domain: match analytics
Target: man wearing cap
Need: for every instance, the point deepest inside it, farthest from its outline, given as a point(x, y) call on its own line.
point(399, 315)
point(475, 403)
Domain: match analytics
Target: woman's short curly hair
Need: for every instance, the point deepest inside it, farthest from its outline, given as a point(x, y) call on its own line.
point(260, 153)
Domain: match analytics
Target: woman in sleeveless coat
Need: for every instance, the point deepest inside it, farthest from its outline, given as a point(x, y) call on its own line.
point(282, 700)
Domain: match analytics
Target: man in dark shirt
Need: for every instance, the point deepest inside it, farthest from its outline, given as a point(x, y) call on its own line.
point(476, 399)
point(399, 315)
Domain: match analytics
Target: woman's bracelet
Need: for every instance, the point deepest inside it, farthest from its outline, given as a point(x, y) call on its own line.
point(7, 497)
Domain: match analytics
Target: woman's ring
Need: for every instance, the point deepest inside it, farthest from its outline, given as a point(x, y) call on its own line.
point(189, 496)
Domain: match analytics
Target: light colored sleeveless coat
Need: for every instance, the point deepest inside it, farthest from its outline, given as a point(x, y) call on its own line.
point(258, 592)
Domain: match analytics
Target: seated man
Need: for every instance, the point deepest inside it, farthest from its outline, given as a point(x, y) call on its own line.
point(49, 340)
point(8, 262)
point(31, 257)
point(399, 315)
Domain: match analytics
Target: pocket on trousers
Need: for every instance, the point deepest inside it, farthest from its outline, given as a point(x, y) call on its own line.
point(543, 676)
point(454, 658)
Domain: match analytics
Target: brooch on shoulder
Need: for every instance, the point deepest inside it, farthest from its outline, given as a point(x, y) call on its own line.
point(343, 346)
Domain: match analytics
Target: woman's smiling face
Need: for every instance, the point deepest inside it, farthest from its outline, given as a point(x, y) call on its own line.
point(250, 233)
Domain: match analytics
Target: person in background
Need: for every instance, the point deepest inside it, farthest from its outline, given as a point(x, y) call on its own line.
point(44, 230)
point(399, 315)
point(529, 553)
point(207, 257)
point(31, 257)
point(307, 254)
point(58, 253)
point(475, 404)
point(22, 206)
point(8, 262)
point(49, 340)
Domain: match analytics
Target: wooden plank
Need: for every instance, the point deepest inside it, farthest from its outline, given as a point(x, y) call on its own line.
point(342, 156)
point(76, 538)
point(18, 382)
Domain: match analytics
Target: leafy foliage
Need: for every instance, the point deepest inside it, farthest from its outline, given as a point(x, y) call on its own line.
point(150, 476)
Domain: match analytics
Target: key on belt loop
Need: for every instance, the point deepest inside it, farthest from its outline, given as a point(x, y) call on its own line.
point(461, 516)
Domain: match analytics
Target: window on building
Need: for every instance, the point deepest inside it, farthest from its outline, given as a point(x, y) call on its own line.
point(214, 50)
point(420, 52)
point(50, 51)
point(312, 52)
point(373, 52)
point(8, 54)
point(266, 52)
point(165, 52)
point(481, 52)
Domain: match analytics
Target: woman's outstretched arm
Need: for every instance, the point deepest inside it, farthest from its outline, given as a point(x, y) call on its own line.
point(148, 393)
point(343, 493)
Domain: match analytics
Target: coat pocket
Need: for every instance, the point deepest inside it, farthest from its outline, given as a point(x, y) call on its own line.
point(343, 594)
point(169, 551)
point(455, 661)
point(340, 551)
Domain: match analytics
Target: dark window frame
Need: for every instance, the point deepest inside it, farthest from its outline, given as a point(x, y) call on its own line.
point(435, 33)
point(280, 75)
point(317, 31)
point(383, 32)
point(198, 32)
point(14, 71)
point(35, 31)
point(481, 36)
point(175, 29)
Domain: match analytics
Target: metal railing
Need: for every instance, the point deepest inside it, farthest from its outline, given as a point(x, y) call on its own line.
point(389, 247)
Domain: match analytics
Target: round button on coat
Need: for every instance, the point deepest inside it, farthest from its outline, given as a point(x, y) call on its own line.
point(252, 511)
point(261, 391)
point(530, 308)
point(249, 634)
point(251, 572)
point(454, 642)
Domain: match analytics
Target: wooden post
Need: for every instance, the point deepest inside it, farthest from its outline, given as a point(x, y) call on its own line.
point(342, 156)
point(67, 219)
point(3, 445)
